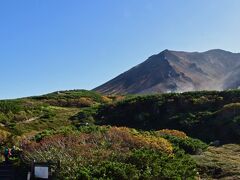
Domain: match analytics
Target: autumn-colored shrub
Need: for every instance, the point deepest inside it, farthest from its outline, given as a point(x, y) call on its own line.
point(108, 153)
point(116, 98)
point(232, 106)
point(126, 138)
point(85, 102)
point(72, 152)
point(4, 135)
point(176, 133)
point(106, 99)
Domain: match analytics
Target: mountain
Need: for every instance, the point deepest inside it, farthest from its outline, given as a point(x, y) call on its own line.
point(178, 71)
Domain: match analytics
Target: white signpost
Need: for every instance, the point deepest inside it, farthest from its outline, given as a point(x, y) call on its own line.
point(41, 172)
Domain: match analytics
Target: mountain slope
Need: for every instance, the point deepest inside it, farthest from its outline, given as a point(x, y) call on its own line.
point(176, 71)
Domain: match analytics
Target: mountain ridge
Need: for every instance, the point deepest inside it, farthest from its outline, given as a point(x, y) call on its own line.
point(178, 71)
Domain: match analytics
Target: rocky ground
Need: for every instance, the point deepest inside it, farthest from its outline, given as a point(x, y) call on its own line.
point(220, 162)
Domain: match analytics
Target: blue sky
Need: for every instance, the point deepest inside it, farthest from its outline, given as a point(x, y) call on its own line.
point(49, 45)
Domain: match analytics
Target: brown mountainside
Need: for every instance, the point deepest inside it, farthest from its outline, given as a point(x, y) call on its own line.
point(177, 71)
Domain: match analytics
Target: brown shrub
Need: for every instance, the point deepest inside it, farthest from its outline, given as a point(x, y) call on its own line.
point(176, 133)
point(74, 150)
point(125, 138)
point(4, 135)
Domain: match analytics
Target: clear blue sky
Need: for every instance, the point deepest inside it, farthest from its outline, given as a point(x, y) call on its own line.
point(49, 45)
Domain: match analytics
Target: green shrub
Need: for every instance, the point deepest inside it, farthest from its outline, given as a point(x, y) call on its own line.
point(3, 118)
point(47, 114)
point(86, 115)
point(9, 106)
point(45, 133)
point(84, 173)
point(115, 170)
point(38, 137)
point(189, 145)
point(156, 165)
point(93, 129)
point(72, 98)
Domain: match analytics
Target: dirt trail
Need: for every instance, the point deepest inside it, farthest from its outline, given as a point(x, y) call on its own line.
point(29, 120)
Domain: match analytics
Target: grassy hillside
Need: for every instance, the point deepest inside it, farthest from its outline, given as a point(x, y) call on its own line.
point(49, 111)
point(85, 131)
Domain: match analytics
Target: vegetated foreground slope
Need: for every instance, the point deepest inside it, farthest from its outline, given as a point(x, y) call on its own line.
point(70, 126)
point(176, 71)
point(45, 128)
point(94, 152)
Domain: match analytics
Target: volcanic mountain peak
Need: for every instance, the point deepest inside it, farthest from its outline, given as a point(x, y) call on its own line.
point(178, 71)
